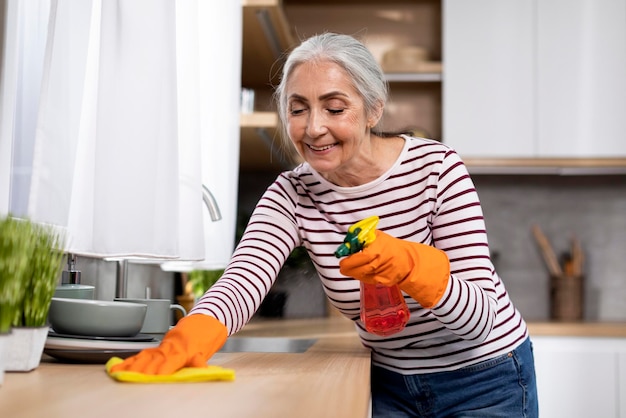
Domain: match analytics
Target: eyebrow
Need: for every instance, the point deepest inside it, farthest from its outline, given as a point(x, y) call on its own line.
point(325, 96)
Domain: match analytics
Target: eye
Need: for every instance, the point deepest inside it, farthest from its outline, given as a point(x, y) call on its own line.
point(296, 108)
point(335, 106)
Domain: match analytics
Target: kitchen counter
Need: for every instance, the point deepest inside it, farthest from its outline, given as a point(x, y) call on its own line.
point(335, 325)
point(330, 379)
point(578, 329)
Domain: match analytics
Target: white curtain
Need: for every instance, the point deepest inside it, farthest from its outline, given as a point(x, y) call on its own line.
point(138, 106)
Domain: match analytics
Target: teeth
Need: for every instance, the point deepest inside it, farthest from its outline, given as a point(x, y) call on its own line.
point(314, 148)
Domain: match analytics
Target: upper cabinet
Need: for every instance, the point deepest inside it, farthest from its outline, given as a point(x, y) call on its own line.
point(488, 90)
point(536, 80)
point(581, 78)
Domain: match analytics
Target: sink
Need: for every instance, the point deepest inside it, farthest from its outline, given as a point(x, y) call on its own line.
point(267, 345)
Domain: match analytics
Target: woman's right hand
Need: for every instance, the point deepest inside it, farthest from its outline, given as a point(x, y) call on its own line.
point(420, 270)
point(191, 343)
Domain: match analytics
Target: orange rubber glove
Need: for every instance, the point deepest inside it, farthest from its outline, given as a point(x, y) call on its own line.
point(191, 343)
point(419, 270)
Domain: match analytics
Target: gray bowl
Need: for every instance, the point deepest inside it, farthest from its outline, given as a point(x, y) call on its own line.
point(74, 291)
point(96, 318)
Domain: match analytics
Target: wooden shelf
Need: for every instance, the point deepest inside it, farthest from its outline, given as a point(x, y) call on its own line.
point(263, 149)
point(547, 166)
point(413, 77)
point(259, 120)
point(266, 36)
point(261, 146)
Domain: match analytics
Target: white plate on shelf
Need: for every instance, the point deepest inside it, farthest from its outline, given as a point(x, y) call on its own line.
point(62, 343)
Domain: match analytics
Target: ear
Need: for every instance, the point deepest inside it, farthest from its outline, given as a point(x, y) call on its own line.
point(375, 115)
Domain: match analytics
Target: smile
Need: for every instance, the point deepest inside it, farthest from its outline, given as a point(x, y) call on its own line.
point(324, 148)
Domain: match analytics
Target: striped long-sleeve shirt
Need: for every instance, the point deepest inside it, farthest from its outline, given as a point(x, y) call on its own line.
point(428, 197)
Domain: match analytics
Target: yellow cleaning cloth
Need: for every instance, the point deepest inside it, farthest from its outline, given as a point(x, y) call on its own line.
point(187, 374)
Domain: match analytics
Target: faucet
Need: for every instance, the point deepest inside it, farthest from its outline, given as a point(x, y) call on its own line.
point(211, 204)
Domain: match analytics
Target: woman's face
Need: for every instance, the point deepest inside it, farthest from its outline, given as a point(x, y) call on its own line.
point(326, 119)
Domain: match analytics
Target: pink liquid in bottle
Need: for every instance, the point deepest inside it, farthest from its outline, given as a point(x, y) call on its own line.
point(383, 309)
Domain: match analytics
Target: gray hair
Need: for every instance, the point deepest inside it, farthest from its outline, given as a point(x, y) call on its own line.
point(347, 52)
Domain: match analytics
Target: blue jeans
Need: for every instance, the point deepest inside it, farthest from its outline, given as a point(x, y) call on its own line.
point(504, 386)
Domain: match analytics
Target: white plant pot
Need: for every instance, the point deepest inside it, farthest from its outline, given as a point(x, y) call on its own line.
point(3, 345)
point(24, 347)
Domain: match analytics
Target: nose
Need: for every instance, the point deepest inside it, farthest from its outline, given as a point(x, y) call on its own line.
point(316, 124)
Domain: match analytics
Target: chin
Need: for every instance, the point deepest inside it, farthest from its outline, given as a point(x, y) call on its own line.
point(321, 167)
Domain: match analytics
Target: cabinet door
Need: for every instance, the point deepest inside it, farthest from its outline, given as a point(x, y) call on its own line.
point(581, 78)
point(542, 78)
point(621, 372)
point(488, 77)
point(577, 377)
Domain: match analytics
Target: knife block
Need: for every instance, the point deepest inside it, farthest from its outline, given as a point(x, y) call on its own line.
point(566, 298)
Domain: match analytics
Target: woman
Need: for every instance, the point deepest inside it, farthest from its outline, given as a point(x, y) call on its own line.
point(465, 350)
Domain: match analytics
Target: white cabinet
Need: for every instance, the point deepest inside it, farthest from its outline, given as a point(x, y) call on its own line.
point(621, 371)
point(581, 77)
point(535, 78)
point(580, 377)
point(488, 77)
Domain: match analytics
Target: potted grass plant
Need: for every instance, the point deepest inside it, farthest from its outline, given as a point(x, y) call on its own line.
point(14, 252)
point(194, 284)
point(28, 278)
point(202, 280)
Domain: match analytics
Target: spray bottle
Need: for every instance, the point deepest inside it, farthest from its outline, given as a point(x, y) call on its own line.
point(383, 309)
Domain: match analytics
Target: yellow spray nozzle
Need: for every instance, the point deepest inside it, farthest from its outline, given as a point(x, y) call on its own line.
point(359, 235)
point(365, 229)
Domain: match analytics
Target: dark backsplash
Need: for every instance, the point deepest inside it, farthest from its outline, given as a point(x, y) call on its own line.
point(591, 207)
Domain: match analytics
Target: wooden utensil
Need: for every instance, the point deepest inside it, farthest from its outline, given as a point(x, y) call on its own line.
point(577, 257)
point(547, 252)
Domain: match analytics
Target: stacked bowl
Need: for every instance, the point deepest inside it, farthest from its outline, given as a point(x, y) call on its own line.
point(92, 331)
point(96, 318)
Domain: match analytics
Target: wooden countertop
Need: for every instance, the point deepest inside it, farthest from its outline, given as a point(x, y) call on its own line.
point(330, 379)
point(338, 326)
point(578, 329)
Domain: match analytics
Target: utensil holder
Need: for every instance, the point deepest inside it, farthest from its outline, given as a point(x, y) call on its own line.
point(566, 298)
